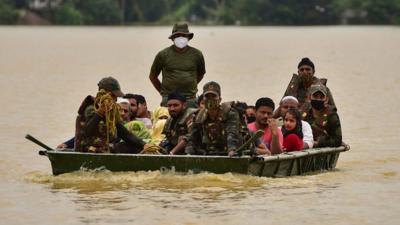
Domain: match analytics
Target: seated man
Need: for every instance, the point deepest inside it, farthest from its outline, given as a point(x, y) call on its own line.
point(143, 114)
point(250, 113)
point(133, 105)
point(98, 123)
point(178, 126)
point(290, 102)
point(300, 85)
point(216, 127)
point(272, 138)
point(323, 119)
point(124, 110)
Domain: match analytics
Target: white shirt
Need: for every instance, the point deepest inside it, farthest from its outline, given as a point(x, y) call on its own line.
point(307, 134)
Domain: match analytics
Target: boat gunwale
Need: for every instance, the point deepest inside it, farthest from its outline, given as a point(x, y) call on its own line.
point(279, 157)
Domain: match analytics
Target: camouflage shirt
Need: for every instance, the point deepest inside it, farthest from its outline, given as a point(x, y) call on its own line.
point(296, 89)
point(326, 127)
point(179, 127)
point(215, 137)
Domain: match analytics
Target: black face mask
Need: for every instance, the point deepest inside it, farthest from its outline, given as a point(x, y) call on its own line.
point(317, 104)
point(251, 119)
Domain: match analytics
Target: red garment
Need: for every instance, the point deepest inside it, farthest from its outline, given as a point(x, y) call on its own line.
point(267, 137)
point(292, 142)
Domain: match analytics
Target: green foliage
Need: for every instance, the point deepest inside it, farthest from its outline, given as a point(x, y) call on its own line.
point(99, 12)
point(382, 11)
point(212, 12)
point(8, 13)
point(67, 14)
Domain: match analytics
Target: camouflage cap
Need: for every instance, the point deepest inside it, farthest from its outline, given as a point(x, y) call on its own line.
point(318, 88)
point(181, 28)
point(212, 87)
point(112, 85)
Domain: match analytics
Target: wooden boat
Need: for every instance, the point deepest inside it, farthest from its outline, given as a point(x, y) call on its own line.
point(285, 164)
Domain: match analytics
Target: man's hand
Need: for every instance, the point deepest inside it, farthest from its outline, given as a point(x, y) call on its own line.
point(231, 153)
point(273, 125)
point(61, 146)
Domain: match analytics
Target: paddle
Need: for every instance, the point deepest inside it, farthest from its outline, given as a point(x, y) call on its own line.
point(36, 141)
point(255, 136)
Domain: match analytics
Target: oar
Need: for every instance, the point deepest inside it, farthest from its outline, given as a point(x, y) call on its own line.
point(255, 136)
point(36, 141)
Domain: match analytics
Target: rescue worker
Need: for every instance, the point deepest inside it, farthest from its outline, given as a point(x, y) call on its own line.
point(300, 85)
point(323, 119)
point(178, 126)
point(216, 127)
point(182, 67)
point(99, 124)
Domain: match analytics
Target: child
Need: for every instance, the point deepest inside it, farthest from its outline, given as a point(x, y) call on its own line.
point(292, 131)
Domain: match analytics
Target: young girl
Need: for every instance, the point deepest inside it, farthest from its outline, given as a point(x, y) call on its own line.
point(292, 131)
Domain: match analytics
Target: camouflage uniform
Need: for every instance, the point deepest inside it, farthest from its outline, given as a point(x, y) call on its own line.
point(91, 130)
point(98, 140)
point(215, 136)
point(296, 89)
point(326, 124)
point(178, 127)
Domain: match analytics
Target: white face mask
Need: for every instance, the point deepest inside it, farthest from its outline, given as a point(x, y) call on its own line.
point(181, 42)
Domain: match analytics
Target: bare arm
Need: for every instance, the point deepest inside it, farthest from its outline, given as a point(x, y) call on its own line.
point(200, 77)
point(179, 147)
point(275, 145)
point(155, 81)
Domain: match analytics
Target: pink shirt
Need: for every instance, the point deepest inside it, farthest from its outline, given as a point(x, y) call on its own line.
point(267, 137)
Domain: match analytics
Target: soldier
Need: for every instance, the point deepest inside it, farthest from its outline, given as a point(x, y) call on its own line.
point(182, 67)
point(216, 127)
point(300, 84)
point(178, 126)
point(99, 124)
point(323, 119)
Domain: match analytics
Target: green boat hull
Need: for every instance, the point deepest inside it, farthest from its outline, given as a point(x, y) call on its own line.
point(287, 164)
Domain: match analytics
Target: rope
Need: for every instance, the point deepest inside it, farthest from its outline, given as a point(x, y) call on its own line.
point(153, 149)
point(105, 105)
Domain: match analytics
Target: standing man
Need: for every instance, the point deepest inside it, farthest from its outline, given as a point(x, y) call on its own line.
point(323, 119)
point(300, 85)
point(178, 126)
point(216, 128)
point(272, 138)
point(182, 67)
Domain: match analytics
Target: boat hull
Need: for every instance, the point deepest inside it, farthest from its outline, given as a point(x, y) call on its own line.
point(287, 164)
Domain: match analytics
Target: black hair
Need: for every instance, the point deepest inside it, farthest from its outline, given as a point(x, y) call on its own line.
point(306, 61)
point(265, 101)
point(199, 99)
point(177, 96)
point(298, 130)
point(139, 99)
point(251, 107)
point(129, 95)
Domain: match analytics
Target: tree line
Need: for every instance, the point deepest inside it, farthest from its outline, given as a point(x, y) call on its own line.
point(204, 12)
